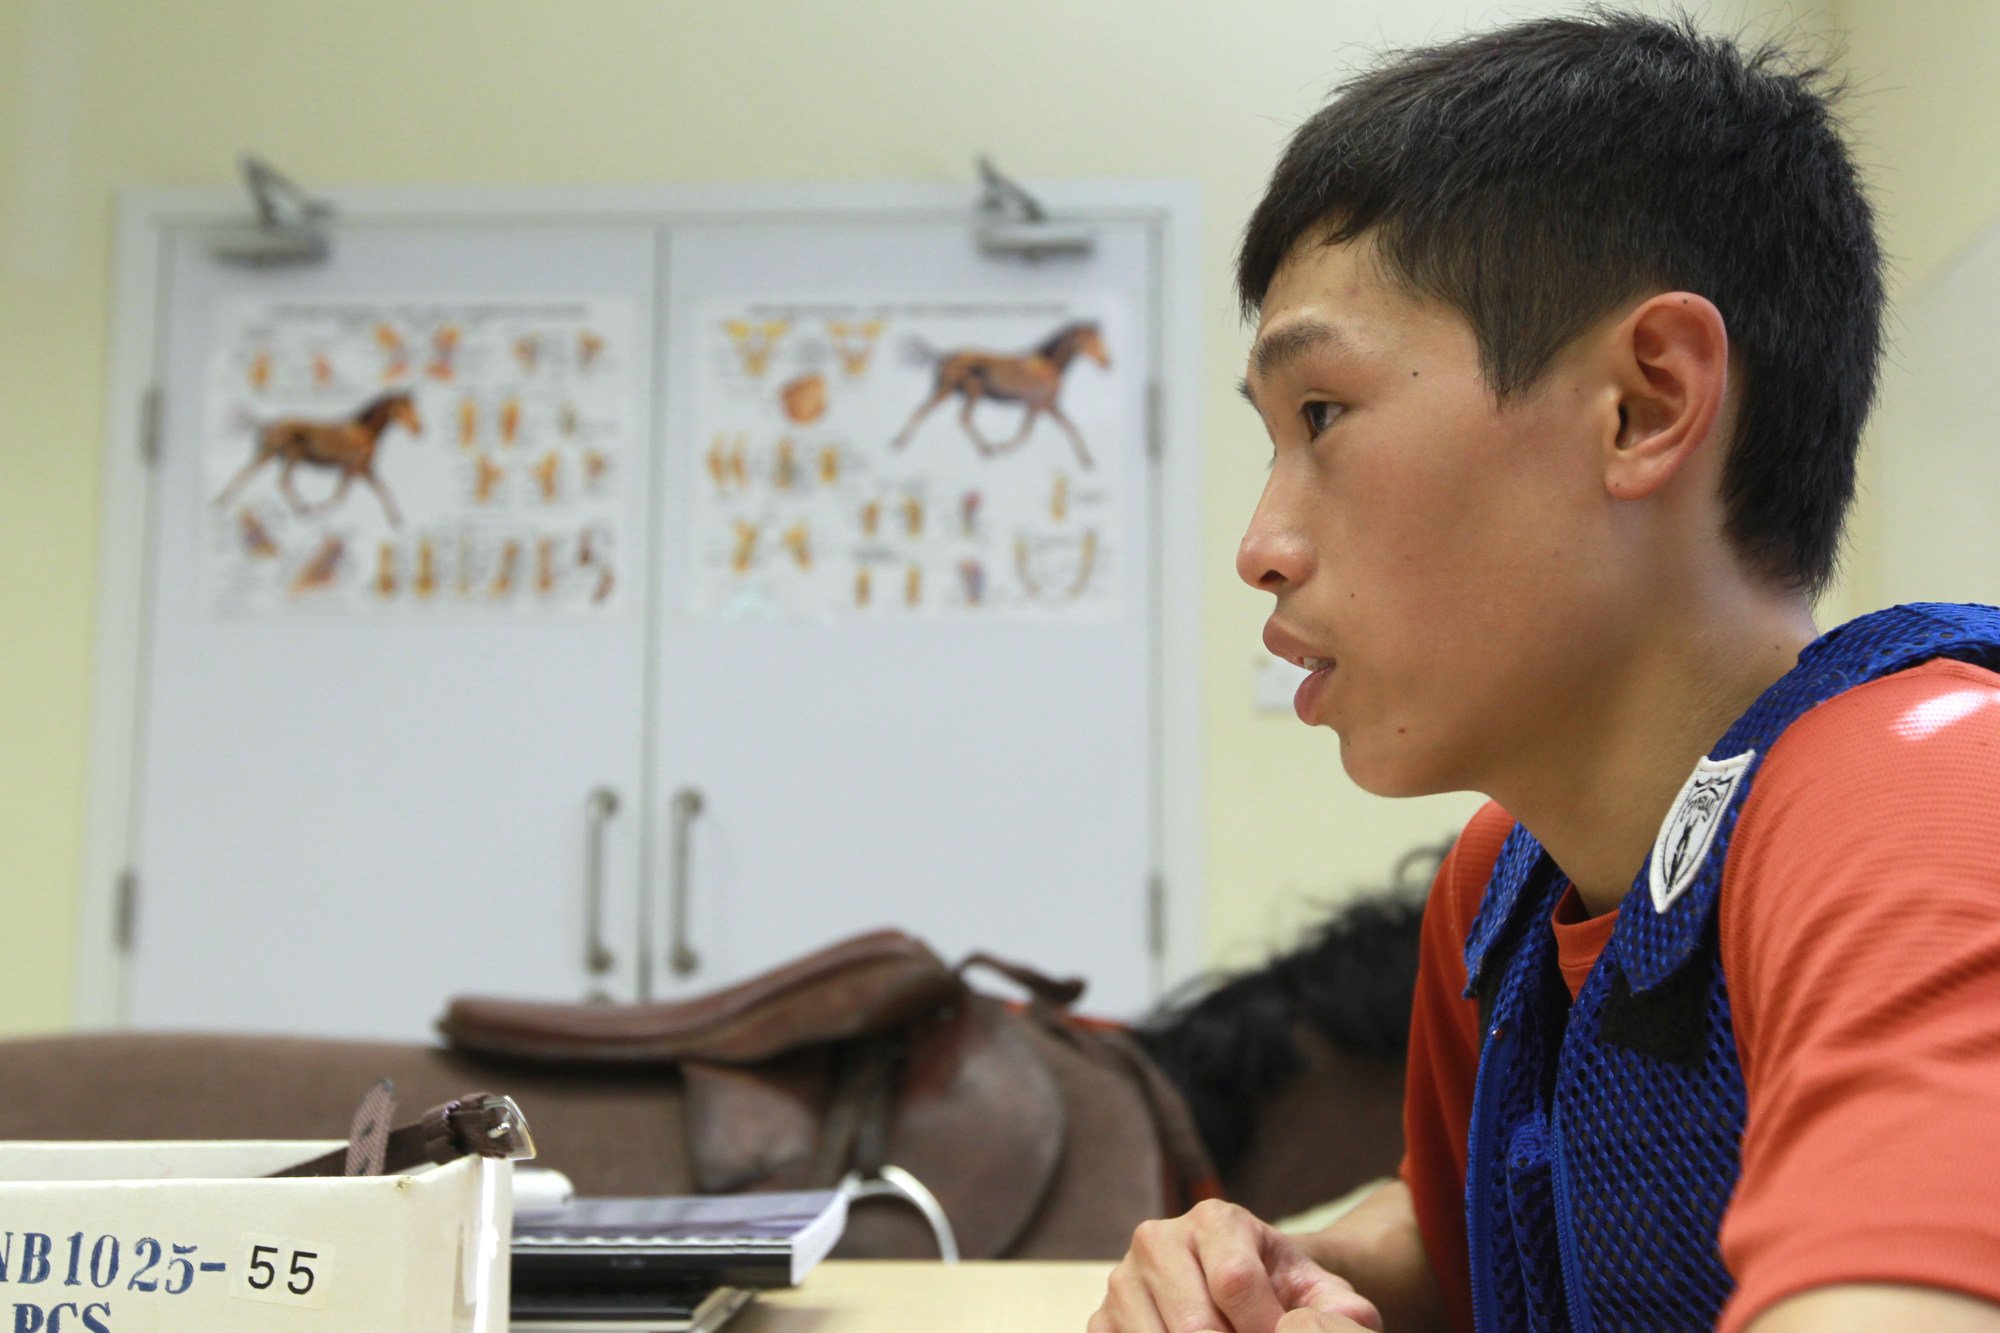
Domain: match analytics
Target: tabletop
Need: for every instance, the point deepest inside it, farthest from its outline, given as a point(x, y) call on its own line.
point(1005, 1297)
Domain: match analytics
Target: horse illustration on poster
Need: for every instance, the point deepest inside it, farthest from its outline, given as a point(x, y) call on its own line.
point(1033, 379)
point(348, 447)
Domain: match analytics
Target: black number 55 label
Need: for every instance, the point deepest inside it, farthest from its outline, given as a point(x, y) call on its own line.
point(281, 1271)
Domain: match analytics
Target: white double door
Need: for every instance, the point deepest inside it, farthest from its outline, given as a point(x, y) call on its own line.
point(342, 820)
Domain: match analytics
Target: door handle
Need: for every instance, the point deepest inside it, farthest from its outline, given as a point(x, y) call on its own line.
point(598, 808)
point(682, 960)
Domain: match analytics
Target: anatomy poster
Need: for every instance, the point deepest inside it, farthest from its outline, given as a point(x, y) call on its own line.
point(399, 457)
point(959, 458)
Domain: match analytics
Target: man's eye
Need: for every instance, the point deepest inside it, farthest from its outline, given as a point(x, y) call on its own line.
point(1318, 416)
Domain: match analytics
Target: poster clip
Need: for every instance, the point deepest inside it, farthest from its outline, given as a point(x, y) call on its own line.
point(290, 227)
point(1013, 222)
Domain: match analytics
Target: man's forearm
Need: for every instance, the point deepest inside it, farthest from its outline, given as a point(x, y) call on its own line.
point(1378, 1248)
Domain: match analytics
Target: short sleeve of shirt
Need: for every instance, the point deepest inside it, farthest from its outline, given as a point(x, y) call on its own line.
point(1444, 1059)
point(1860, 935)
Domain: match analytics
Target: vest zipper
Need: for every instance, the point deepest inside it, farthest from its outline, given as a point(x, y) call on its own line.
point(1572, 1267)
point(1479, 1230)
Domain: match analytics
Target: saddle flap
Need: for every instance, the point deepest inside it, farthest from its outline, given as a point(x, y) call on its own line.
point(982, 1123)
point(971, 1110)
point(860, 986)
point(757, 1128)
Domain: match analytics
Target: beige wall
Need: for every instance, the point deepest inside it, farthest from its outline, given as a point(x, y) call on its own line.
point(1926, 83)
point(1925, 118)
point(95, 94)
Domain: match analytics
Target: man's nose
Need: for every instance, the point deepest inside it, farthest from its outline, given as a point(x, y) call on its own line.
point(1273, 554)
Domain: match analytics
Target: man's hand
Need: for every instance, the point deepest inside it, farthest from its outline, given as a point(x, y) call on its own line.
point(1218, 1268)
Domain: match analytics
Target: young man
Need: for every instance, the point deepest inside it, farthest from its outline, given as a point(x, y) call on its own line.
point(1566, 336)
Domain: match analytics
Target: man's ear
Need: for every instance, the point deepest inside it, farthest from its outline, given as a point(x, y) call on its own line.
point(1670, 363)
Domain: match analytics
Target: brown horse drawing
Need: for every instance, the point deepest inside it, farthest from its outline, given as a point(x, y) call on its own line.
point(1032, 380)
point(347, 446)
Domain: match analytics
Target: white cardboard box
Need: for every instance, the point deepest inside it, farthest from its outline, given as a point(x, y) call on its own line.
point(185, 1238)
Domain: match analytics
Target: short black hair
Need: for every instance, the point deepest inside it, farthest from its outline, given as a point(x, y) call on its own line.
point(1537, 176)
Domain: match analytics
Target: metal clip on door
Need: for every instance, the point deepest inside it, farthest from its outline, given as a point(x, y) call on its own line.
point(681, 957)
point(598, 808)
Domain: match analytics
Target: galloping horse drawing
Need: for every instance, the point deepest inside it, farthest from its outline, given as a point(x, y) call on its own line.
point(347, 446)
point(1032, 380)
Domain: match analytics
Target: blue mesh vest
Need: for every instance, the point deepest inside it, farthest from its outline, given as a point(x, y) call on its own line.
point(1605, 1134)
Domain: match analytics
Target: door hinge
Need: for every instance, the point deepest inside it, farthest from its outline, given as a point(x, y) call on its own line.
point(1156, 915)
point(126, 925)
point(1156, 443)
point(149, 424)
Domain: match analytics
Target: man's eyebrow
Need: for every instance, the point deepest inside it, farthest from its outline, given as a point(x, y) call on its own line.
point(1286, 344)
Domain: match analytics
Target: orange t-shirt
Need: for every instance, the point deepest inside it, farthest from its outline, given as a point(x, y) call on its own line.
point(1860, 936)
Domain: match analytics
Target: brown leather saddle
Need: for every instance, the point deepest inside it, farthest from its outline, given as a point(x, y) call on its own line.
point(866, 1055)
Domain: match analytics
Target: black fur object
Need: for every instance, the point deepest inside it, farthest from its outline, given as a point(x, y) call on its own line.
point(1228, 1041)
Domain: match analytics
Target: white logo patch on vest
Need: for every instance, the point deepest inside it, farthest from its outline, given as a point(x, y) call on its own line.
point(1690, 827)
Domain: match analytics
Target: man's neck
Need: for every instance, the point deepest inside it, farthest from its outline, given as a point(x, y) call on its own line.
point(1597, 798)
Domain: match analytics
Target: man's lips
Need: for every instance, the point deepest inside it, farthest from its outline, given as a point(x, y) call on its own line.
point(1282, 643)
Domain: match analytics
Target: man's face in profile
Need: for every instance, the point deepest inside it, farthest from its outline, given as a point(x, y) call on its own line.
point(1430, 544)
